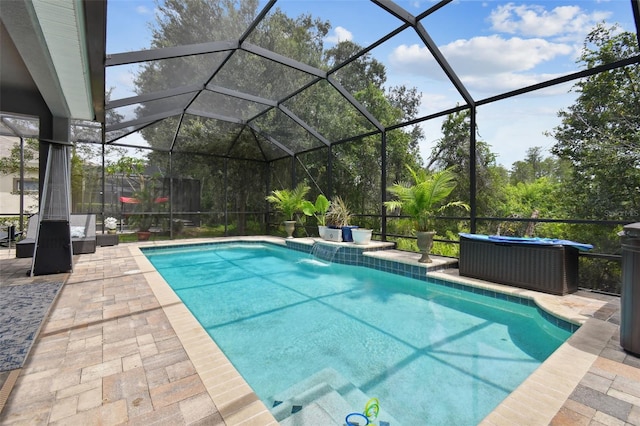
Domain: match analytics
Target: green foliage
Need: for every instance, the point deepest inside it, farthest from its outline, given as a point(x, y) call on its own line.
point(600, 275)
point(147, 190)
point(357, 172)
point(527, 200)
point(600, 132)
point(535, 166)
point(11, 165)
point(147, 195)
point(318, 210)
point(126, 165)
point(288, 201)
point(446, 249)
point(338, 213)
point(424, 198)
point(453, 150)
point(406, 244)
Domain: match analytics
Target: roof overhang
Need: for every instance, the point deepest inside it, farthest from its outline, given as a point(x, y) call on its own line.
point(48, 56)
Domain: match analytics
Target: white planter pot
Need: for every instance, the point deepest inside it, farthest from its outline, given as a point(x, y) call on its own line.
point(361, 236)
point(322, 230)
point(333, 234)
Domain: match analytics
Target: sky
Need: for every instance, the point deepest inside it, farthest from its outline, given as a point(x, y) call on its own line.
point(492, 46)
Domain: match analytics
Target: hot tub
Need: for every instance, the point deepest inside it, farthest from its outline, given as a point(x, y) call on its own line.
point(540, 264)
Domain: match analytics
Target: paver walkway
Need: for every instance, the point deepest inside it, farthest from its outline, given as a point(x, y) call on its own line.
point(108, 354)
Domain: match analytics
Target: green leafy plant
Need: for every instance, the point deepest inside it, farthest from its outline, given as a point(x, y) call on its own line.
point(423, 199)
point(147, 200)
point(338, 214)
point(319, 209)
point(289, 201)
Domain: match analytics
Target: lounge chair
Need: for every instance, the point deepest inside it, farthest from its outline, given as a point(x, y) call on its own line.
point(83, 235)
point(9, 236)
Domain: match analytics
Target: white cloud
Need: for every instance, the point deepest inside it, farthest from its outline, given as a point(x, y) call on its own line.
point(339, 34)
point(494, 54)
point(143, 10)
point(504, 82)
point(484, 63)
point(567, 22)
point(434, 102)
point(121, 79)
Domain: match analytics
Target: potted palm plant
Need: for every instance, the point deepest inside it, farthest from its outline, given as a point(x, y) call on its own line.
point(423, 199)
point(289, 202)
point(319, 211)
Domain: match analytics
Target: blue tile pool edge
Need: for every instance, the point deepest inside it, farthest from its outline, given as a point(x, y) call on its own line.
point(354, 256)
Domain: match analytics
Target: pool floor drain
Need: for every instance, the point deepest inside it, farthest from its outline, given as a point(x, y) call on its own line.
point(296, 408)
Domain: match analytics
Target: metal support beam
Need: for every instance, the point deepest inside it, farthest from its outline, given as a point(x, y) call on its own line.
point(362, 110)
point(293, 172)
point(396, 11)
point(564, 79)
point(95, 13)
point(240, 95)
point(21, 184)
point(169, 53)
point(440, 59)
point(170, 195)
point(330, 172)
point(144, 120)
point(147, 97)
point(270, 139)
point(226, 197)
point(267, 54)
point(635, 5)
point(265, 10)
point(473, 169)
point(213, 116)
point(303, 124)
point(383, 183)
point(176, 134)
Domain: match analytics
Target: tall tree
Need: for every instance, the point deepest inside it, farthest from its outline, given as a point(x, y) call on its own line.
point(453, 150)
point(536, 166)
point(10, 165)
point(600, 132)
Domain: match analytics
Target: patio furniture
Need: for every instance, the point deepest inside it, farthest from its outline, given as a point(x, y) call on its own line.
point(9, 236)
point(545, 265)
point(83, 235)
point(107, 240)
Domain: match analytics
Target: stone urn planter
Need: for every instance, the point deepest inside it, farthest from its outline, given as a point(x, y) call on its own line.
point(425, 242)
point(289, 227)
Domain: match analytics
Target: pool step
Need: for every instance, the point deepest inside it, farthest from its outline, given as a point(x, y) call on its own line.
point(324, 398)
point(321, 403)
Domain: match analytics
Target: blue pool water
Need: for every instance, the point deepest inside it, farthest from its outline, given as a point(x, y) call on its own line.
point(431, 354)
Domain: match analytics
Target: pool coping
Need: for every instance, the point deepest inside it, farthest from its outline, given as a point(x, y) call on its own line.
point(539, 397)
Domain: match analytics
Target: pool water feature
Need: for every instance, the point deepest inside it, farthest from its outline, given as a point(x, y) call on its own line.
point(327, 338)
point(325, 252)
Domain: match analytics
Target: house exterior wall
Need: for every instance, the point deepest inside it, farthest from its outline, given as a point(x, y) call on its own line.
point(9, 183)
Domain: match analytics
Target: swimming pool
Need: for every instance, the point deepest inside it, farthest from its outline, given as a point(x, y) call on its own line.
point(294, 327)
